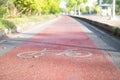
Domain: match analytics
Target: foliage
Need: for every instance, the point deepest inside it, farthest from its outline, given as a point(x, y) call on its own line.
point(95, 9)
point(10, 23)
point(37, 6)
point(6, 24)
point(28, 7)
point(54, 6)
point(3, 2)
point(2, 8)
point(118, 6)
point(3, 11)
point(81, 1)
point(71, 4)
point(10, 10)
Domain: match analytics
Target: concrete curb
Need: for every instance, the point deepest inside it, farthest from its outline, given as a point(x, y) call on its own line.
point(112, 29)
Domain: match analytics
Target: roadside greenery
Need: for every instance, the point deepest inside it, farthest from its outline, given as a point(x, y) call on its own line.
point(15, 8)
point(10, 23)
point(15, 12)
point(118, 6)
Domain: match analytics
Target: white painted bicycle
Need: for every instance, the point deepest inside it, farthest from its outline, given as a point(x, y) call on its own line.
point(68, 52)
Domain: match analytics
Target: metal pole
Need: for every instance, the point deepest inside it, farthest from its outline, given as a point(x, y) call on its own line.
point(100, 3)
point(113, 8)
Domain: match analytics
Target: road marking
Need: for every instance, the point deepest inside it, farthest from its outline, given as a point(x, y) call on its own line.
point(67, 52)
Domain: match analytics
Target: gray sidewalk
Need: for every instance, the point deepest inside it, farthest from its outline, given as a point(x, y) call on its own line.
point(103, 19)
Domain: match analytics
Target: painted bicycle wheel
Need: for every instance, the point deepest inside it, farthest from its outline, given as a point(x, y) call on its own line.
point(76, 53)
point(31, 54)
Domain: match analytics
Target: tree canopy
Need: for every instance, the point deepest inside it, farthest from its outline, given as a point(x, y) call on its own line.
point(72, 4)
point(30, 6)
point(35, 6)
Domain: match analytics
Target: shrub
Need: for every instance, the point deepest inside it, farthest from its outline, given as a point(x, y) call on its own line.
point(3, 11)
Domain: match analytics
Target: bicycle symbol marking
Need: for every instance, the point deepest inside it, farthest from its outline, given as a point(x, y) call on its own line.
point(68, 53)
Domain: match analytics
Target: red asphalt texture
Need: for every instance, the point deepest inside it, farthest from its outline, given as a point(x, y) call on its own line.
point(61, 35)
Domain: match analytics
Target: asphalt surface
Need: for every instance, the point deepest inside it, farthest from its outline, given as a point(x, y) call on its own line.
point(62, 49)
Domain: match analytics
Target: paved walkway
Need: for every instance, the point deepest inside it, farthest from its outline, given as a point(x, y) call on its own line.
point(64, 53)
point(114, 22)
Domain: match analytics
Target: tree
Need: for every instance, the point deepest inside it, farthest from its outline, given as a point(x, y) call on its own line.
point(75, 3)
point(6, 7)
point(54, 6)
point(118, 6)
point(3, 2)
point(70, 4)
point(79, 4)
point(24, 6)
point(37, 6)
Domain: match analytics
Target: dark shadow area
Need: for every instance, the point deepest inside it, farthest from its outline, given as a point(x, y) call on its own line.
point(46, 40)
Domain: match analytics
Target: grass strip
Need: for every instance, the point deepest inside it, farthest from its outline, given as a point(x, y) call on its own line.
point(10, 23)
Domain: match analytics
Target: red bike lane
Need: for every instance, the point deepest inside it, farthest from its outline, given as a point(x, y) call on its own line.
point(68, 54)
